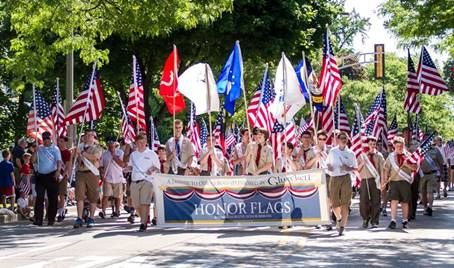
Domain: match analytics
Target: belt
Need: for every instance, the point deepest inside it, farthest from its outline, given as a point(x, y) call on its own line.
point(430, 172)
point(138, 181)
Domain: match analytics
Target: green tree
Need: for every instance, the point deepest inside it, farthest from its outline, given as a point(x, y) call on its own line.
point(418, 22)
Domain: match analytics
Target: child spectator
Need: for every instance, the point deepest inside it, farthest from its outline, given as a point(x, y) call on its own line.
point(25, 176)
point(7, 181)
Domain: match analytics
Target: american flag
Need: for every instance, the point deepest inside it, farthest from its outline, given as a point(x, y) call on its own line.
point(418, 156)
point(264, 117)
point(230, 140)
point(135, 99)
point(392, 129)
point(218, 132)
point(194, 131)
point(254, 105)
point(90, 103)
point(58, 112)
point(330, 78)
point(281, 135)
point(357, 134)
point(415, 129)
point(127, 130)
point(341, 121)
point(154, 138)
point(377, 118)
point(430, 80)
point(305, 125)
point(411, 103)
point(203, 133)
point(326, 119)
point(39, 118)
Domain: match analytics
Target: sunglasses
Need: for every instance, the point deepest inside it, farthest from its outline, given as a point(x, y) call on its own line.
point(322, 139)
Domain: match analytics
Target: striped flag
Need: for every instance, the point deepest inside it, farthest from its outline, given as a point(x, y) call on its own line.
point(411, 103)
point(230, 140)
point(203, 133)
point(392, 129)
point(127, 130)
point(415, 129)
point(135, 108)
point(280, 135)
point(39, 118)
point(194, 131)
point(254, 105)
point(264, 116)
point(326, 122)
point(58, 112)
point(357, 134)
point(377, 118)
point(330, 78)
point(219, 130)
point(90, 103)
point(154, 138)
point(430, 80)
point(341, 121)
point(305, 125)
point(418, 156)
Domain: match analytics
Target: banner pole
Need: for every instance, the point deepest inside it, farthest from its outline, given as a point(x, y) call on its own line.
point(310, 98)
point(285, 110)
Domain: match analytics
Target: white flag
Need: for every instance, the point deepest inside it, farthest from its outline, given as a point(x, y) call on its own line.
point(193, 85)
point(289, 98)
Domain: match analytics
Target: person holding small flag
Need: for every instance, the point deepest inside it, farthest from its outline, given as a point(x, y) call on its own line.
point(397, 173)
point(306, 152)
point(212, 160)
point(180, 151)
point(285, 162)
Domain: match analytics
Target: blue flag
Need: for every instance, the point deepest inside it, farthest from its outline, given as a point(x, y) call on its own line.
point(230, 81)
point(302, 73)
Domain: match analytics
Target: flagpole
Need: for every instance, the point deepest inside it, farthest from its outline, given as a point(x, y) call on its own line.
point(285, 109)
point(57, 102)
point(209, 100)
point(245, 103)
point(174, 84)
point(310, 97)
point(136, 91)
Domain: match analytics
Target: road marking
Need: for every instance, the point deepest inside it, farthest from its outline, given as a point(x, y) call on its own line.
point(36, 249)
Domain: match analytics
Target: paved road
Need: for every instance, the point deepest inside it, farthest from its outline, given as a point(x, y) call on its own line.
point(428, 243)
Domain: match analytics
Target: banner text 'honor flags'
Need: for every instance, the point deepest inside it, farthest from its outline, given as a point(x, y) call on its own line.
point(39, 118)
point(230, 81)
point(194, 131)
point(58, 113)
point(377, 118)
point(193, 85)
point(127, 130)
point(330, 78)
point(392, 129)
point(430, 80)
point(356, 135)
point(254, 105)
point(90, 103)
point(136, 103)
point(411, 102)
point(289, 98)
point(264, 117)
point(341, 121)
point(168, 88)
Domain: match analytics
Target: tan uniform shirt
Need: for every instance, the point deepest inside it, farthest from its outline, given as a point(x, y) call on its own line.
point(240, 151)
point(215, 169)
point(378, 163)
point(437, 159)
point(186, 152)
point(305, 155)
point(266, 156)
point(94, 149)
point(391, 173)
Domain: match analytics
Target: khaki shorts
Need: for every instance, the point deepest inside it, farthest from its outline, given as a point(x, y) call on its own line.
point(400, 191)
point(428, 183)
point(340, 190)
point(112, 189)
point(86, 186)
point(63, 186)
point(141, 193)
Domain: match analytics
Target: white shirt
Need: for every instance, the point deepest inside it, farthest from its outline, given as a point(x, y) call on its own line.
point(113, 172)
point(337, 157)
point(141, 162)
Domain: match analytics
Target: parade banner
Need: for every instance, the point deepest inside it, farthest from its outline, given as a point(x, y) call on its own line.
point(268, 200)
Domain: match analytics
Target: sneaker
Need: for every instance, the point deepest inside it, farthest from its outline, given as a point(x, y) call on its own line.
point(60, 218)
point(153, 221)
point(404, 224)
point(445, 193)
point(38, 223)
point(373, 226)
point(50, 223)
point(127, 209)
point(365, 224)
point(428, 211)
point(328, 227)
point(78, 223)
point(131, 219)
point(142, 227)
point(102, 214)
point(341, 230)
point(115, 214)
point(90, 222)
point(392, 225)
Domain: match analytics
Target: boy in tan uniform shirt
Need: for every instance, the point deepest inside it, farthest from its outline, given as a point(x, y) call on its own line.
point(259, 155)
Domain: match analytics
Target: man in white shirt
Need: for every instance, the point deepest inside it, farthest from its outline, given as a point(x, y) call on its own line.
point(144, 163)
point(112, 176)
point(340, 162)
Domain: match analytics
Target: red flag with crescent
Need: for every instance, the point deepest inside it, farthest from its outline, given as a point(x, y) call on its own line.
point(168, 87)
